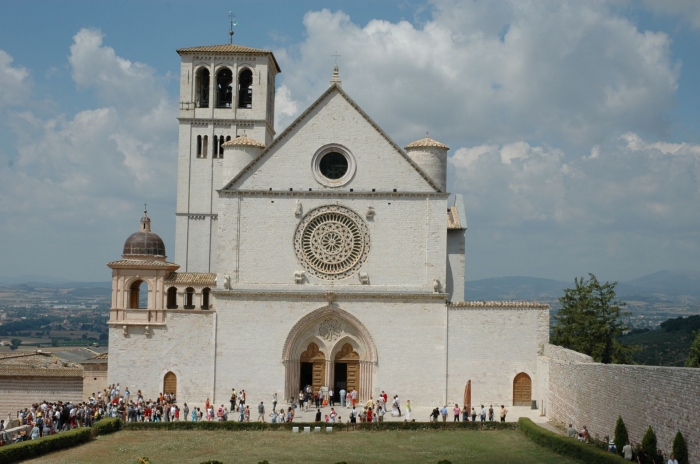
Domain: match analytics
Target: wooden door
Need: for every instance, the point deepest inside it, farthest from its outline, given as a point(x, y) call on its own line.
point(315, 356)
point(170, 384)
point(522, 390)
point(468, 393)
point(354, 376)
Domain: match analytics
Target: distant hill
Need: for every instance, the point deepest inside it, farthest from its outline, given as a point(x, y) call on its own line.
point(668, 345)
point(26, 279)
point(672, 285)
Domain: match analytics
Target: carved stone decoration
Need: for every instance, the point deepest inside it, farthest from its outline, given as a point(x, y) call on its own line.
point(364, 278)
point(297, 209)
point(299, 277)
point(332, 242)
point(330, 329)
point(370, 213)
point(227, 282)
point(436, 286)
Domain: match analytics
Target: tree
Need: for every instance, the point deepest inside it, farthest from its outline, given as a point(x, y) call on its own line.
point(16, 342)
point(590, 321)
point(104, 336)
point(694, 355)
point(680, 448)
point(621, 436)
point(649, 442)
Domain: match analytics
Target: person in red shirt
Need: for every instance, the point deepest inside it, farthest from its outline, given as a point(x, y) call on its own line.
point(369, 415)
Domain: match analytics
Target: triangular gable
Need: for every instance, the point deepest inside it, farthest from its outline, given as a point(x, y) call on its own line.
point(303, 116)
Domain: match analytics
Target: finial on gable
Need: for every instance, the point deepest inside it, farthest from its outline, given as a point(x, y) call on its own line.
point(335, 80)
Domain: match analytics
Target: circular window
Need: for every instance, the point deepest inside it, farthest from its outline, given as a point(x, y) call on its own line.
point(333, 166)
point(332, 242)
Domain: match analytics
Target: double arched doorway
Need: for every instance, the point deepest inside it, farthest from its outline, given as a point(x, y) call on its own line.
point(329, 348)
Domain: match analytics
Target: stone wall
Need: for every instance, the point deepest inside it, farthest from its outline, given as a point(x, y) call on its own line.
point(489, 344)
point(21, 392)
point(95, 378)
point(583, 392)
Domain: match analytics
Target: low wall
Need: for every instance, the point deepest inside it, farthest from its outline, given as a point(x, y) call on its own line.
point(21, 392)
point(582, 392)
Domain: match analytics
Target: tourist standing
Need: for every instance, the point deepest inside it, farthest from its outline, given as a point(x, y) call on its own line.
point(274, 402)
point(672, 459)
point(397, 403)
point(504, 411)
point(455, 412)
point(483, 413)
point(465, 413)
point(408, 410)
point(232, 400)
point(443, 412)
point(354, 397)
point(330, 398)
point(473, 414)
point(491, 413)
point(342, 397)
point(186, 411)
point(261, 412)
point(571, 431)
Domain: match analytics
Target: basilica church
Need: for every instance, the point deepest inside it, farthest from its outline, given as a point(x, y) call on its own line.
point(325, 255)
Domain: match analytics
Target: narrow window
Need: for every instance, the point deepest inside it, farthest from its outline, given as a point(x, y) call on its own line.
point(199, 146)
point(202, 88)
point(216, 147)
point(205, 298)
point(224, 88)
point(221, 148)
point(205, 146)
point(189, 298)
point(172, 298)
point(245, 89)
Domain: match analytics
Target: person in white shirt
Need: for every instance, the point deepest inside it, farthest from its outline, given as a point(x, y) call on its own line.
point(627, 452)
point(672, 459)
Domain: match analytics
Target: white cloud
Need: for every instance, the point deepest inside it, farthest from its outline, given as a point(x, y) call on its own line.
point(285, 107)
point(83, 178)
point(14, 81)
point(487, 72)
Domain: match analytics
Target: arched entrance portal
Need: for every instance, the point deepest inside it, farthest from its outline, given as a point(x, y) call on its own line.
point(522, 390)
point(346, 371)
point(312, 368)
point(329, 347)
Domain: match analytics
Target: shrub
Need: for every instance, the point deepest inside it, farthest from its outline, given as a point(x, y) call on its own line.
point(680, 448)
point(621, 435)
point(263, 426)
point(567, 446)
point(219, 462)
point(649, 442)
point(41, 446)
point(106, 426)
point(143, 460)
point(444, 461)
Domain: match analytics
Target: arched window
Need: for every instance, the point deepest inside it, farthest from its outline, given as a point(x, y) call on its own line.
point(205, 146)
point(138, 295)
point(224, 88)
point(201, 85)
point(199, 146)
point(221, 148)
point(172, 298)
point(245, 89)
point(189, 298)
point(216, 147)
point(205, 298)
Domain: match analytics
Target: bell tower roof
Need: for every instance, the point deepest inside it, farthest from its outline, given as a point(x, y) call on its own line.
point(229, 49)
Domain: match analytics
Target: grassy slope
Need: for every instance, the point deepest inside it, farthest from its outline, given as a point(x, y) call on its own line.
point(277, 447)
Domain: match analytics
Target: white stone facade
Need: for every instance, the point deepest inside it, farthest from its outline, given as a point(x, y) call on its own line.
point(384, 309)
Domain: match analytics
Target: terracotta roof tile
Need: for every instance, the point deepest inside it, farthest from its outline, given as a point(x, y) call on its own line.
point(192, 278)
point(426, 142)
point(242, 141)
point(498, 304)
point(229, 48)
point(141, 263)
point(37, 364)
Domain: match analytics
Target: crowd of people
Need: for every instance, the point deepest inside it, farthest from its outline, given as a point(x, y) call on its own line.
point(630, 451)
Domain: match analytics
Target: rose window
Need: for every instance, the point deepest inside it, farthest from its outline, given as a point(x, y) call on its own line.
point(332, 242)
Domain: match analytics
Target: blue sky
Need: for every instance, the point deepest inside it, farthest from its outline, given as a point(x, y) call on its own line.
point(574, 126)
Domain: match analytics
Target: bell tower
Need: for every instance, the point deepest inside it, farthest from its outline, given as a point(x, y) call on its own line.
point(225, 91)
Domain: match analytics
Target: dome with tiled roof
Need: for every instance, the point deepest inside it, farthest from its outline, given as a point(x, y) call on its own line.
point(242, 141)
point(426, 142)
point(144, 243)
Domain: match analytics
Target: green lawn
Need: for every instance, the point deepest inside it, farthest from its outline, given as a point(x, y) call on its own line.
point(190, 446)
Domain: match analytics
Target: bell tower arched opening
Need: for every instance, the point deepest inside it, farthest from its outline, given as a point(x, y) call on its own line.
point(138, 295)
point(201, 85)
point(224, 88)
point(245, 89)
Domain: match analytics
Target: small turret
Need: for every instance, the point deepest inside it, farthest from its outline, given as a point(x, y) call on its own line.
point(238, 153)
point(431, 156)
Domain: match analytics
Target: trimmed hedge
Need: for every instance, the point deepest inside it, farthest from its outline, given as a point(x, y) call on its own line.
point(269, 426)
point(106, 426)
point(569, 447)
point(41, 446)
